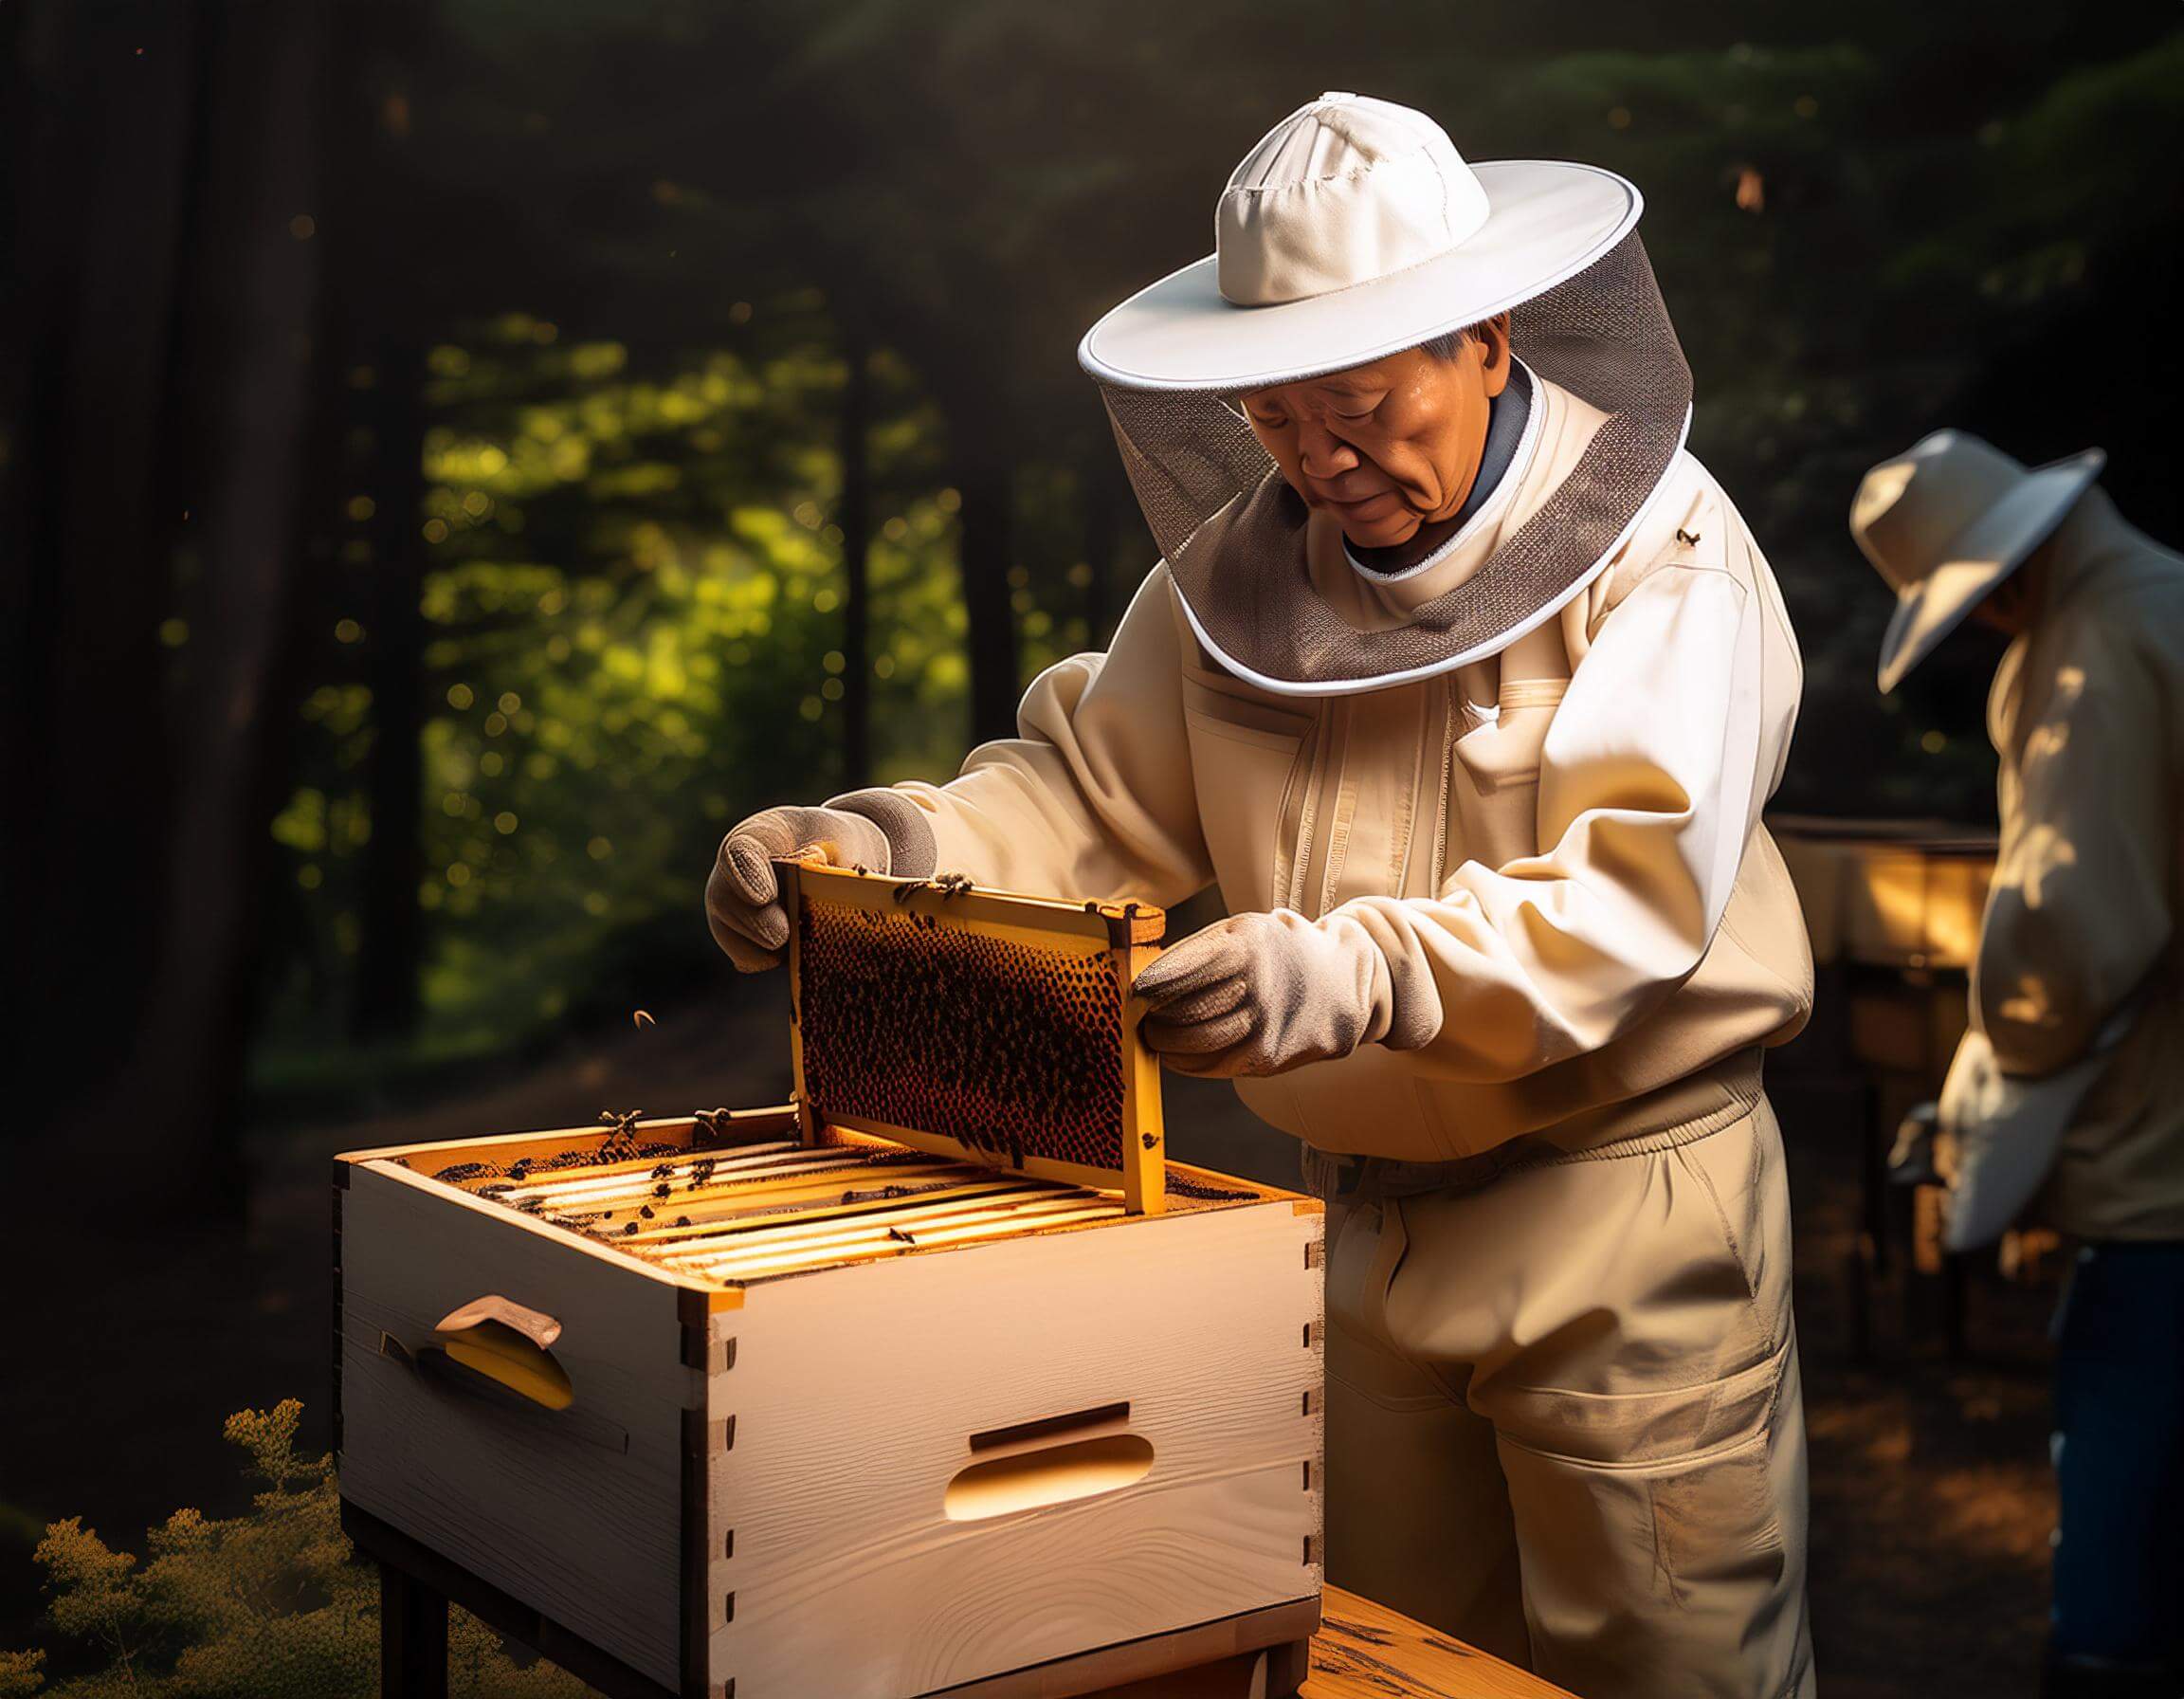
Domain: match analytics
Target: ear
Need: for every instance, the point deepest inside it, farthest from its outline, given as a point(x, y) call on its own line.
point(1492, 335)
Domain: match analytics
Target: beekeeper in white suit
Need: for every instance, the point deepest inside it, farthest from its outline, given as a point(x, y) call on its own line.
point(1465, 685)
point(2066, 1099)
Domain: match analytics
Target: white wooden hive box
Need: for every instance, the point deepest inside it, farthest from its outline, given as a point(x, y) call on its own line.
point(767, 1404)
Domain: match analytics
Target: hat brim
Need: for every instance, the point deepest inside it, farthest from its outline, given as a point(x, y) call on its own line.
point(1547, 221)
point(1981, 556)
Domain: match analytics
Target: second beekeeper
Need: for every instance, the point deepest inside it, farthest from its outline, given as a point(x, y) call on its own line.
point(1467, 684)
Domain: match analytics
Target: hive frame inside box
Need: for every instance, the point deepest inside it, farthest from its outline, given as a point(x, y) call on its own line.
point(741, 1496)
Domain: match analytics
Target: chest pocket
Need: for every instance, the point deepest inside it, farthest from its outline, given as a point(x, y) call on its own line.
point(1501, 752)
point(1493, 793)
point(1250, 756)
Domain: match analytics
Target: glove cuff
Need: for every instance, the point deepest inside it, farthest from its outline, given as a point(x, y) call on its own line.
point(1402, 1008)
point(911, 851)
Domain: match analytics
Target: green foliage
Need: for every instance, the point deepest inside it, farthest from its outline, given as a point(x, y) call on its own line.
point(633, 610)
point(635, 602)
point(267, 1604)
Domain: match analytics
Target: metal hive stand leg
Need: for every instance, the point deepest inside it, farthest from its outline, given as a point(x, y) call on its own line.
point(412, 1636)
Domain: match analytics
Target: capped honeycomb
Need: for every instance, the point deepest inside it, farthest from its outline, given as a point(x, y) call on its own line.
point(1000, 1044)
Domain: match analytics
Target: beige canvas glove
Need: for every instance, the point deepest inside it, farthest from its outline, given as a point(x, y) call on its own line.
point(743, 898)
point(1260, 993)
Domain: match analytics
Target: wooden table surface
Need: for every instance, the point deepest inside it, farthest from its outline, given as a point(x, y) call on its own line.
point(1365, 1650)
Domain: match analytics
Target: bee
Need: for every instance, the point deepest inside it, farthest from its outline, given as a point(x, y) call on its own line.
point(621, 1132)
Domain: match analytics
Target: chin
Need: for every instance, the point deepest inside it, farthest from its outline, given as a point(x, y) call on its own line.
point(1382, 533)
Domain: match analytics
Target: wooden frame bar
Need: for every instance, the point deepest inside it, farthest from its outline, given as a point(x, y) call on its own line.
point(748, 1126)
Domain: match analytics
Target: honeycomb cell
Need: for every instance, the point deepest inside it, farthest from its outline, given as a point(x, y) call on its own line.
point(999, 1044)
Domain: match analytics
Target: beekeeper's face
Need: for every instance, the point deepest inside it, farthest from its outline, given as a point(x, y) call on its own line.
point(1390, 445)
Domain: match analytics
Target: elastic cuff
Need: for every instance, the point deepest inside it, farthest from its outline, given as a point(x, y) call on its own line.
point(1404, 1020)
point(911, 851)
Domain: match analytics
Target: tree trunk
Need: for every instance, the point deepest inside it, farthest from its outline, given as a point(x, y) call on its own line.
point(373, 318)
point(251, 319)
point(102, 120)
point(1102, 511)
point(391, 922)
point(985, 482)
point(854, 514)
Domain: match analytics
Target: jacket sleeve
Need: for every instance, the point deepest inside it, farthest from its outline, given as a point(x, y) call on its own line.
point(1652, 774)
point(2079, 910)
point(1092, 798)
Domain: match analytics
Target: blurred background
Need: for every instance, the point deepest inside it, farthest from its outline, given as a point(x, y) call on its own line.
point(458, 456)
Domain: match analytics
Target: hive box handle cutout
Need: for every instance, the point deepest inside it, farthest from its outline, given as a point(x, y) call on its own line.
point(1049, 1461)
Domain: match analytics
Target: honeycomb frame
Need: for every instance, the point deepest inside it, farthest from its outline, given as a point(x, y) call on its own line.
point(980, 1025)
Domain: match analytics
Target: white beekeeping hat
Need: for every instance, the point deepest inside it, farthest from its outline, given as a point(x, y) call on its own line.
point(1352, 231)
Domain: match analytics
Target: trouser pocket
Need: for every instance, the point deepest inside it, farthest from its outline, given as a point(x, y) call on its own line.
point(1639, 1557)
point(1365, 1248)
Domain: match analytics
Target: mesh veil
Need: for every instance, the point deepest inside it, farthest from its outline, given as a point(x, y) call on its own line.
point(1232, 531)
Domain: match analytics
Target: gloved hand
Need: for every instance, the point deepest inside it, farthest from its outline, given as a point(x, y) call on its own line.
point(743, 898)
point(1260, 993)
point(1912, 1161)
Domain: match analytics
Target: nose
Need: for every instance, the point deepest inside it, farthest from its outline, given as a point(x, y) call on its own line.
point(1322, 454)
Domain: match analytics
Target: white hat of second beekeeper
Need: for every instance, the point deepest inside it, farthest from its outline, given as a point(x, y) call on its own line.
point(1946, 521)
point(1355, 229)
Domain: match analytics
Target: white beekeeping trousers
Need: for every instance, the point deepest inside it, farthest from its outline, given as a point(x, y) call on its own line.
point(1563, 1416)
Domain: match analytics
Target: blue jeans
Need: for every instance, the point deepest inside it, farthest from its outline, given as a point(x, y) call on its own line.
point(2120, 1456)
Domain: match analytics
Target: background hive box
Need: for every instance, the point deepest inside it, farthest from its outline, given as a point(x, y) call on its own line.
point(773, 1407)
point(1905, 894)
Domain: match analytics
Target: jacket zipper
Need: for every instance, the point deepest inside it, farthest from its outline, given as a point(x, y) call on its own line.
point(1441, 802)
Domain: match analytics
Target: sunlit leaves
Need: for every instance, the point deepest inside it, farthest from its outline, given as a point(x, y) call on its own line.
point(652, 647)
point(272, 1602)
